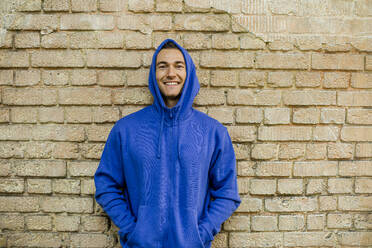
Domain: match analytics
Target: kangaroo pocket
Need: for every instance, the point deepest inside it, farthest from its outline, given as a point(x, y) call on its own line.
point(146, 233)
point(184, 233)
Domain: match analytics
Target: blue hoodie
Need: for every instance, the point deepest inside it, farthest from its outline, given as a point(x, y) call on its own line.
point(167, 176)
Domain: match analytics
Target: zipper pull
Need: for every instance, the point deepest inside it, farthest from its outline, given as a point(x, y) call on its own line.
point(171, 114)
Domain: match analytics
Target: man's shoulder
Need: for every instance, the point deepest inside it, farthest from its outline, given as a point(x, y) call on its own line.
point(135, 117)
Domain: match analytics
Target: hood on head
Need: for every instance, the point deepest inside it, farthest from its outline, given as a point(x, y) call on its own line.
point(190, 88)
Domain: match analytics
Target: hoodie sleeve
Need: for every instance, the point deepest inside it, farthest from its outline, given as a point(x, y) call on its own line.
point(110, 182)
point(223, 188)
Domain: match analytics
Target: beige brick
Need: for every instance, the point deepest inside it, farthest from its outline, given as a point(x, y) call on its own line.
point(54, 40)
point(111, 5)
point(144, 23)
point(242, 133)
point(336, 80)
point(251, 97)
point(55, 77)
point(11, 185)
point(40, 168)
point(96, 39)
point(67, 223)
point(197, 6)
point(355, 168)
point(66, 204)
point(38, 149)
point(237, 223)
point(27, 5)
point(327, 203)
point(363, 185)
point(223, 115)
point(137, 77)
point(82, 169)
point(280, 45)
point(51, 114)
point(264, 151)
point(224, 78)
point(27, 40)
point(315, 169)
point(355, 203)
point(33, 22)
point(309, 97)
point(325, 133)
point(249, 115)
point(38, 222)
point(263, 187)
point(264, 223)
point(359, 116)
point(252, 78)
point(88, 187)
point(258, 239)
point(340, 151)
point(111, 77)
point(65, 150)
point(11, 222)
point(15, 132)
point(6, 40)
point(225, 41)
point(132, 96)
point(91, 240)
point(87, 22)
point(290, 186)
point(315, 222)
point(309, 239)
point(337, 61)
point(202, 22)
point(282, 61)
point(369, 63)
point(78, 114)
point(242, 151)
point(83, 5)
point(5, 167)
point(83, 77)
point(80, 96)
point(284, 133)
point(243, 185)
point(355, 98)
point(18, 58)
point(291, 151)
point(315, 186)
point(19, 204)
point(355, 238)
point(339, 220)
point(356, 133)
point(23, 115)
point(62, 58)
point(281, 79)
point(105, 114)
point(203, 76)
point(361, 80)
point(227, 59)
point(252, 43)
point(363, 221)
point(340, 185)
point(210, 97)
point(332, 115)
point(249, 204)
point(291, 222)
point(113, 58)
point(363, 150)
point(284, 204)
point(277, 169)
point(56, 5)
point(4, 115)
point(98, 133)
point(308, 79)
point(91, 150)
point(39, 186)
point(6, 77)
point(141, 5)
point(197, 41)
point(66, 186)
point(246, 168)
point(137, 40)
point(363, 8)
point(94, 223)
point(361, 43)
point(27, 77)
point(169, 5)
point(35, 240)
point(58, 132)
point(10, 150)
point(276, 116)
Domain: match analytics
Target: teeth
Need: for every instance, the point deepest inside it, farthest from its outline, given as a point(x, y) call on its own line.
point(171, 83)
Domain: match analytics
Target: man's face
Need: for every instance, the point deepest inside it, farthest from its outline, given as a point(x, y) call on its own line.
point(170, 74)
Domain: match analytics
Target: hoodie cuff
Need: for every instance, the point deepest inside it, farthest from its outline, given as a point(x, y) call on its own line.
point(205, 230)
point(124, 232)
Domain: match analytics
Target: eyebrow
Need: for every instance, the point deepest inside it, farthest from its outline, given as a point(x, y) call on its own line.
point(176, 62)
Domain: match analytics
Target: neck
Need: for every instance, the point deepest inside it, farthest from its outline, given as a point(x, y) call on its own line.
point(171, 102)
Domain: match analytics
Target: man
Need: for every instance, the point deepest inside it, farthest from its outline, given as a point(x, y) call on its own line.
point(162, 165)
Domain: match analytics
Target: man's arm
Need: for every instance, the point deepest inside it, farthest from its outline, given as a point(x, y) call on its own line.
point(223, 188)
point(109, 181)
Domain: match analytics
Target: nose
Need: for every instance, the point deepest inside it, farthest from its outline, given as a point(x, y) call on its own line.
point(171, 71)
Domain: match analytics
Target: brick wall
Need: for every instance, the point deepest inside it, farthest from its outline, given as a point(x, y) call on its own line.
point(292, 81)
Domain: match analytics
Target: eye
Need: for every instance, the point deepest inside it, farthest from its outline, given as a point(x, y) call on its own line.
point(180, 66)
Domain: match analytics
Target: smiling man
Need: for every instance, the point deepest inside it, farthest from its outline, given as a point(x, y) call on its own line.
point(167, 175)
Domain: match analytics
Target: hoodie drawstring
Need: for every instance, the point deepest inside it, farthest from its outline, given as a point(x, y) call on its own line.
point(160, 133)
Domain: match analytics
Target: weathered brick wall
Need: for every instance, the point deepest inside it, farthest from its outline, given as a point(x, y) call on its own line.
point(292, 81)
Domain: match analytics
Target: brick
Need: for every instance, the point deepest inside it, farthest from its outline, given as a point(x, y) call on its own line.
point(87, 22)
point(34, 22)
point(56, 5)
point(282, 61)
point(47, 58)
point(363, 150)
point(90, 240)
point(359, 116)
point(51, 114)
point(38, 149)
point(274, 116)
point(361, 43)
point(263, 187)
point(315, 169)
point(35, 239)
point(18, 58)
point(226, 59)
point(111, 77)
point(91, 150)
point(210, 97)
point(355, 238)
point(88, 187)
point(5, 167)
point(203, 76)
point(277, 169)
point(197, 6)
point(356, 133)
point(65, 150)
point(308, 239)
point(169, 6)
point(29, 96)
point(363, 185)
point(94, 223)
point(141, 5)
point(39, 186)
point(340, 151)
point(96, 39)
point(237, 223)
point(252, 78)
point(332, 116)
point(252, 43)
point(110, 5)
point(309, 97)
point(283, 7)
point(340, 185)
point(306, 115)
point(315, 186)
point(83, 77)
point(293, 204)
point(291, 222)
point(82, 168)
point(9, 150)
point(251, 97)
point(58, 132)
point(40, 168)
point(291, 151)
point(113, 58)
point(6, 77)
point(242, 151)
point(83, 5)
point(105, 114)
point(325, 133)
point(11, 222)
point(363, 221)
point(27, 77)
point(132, 96)
point(363, 8)
point(258, 239)
point(225, 41)
point(66, 186)
point(284, 133)
point(280, 45)
point(223, 115)
point(27, 40)
point(55, 77)
point(264, 151)
point(249, 115)
point(336, 80)
point(67, 223)
point(54, 40)
point(264, 223)
point(361, 80)
point(242, 133)
point(315, 222)
point(202, 22)
point(249, 204)
point(89, 96)
point(136, 40)
point(355, 203)
point(66, 204)
point(15, 132)
point(11, 185)
point(369, 63)
point(19, 204)
point(78, 114)
point(246, 168)
point(144, 23)
point(308, 79)
point(337, 61)
point(4, 115)
point(98, 133)
point(26, 5)
point(38, 223)
point(327, 203)
point(281, 79)
point(197, 41)
point(243, 185)
point(23, 115)
point(290, 186)
point(224, 78)
point(355, 168)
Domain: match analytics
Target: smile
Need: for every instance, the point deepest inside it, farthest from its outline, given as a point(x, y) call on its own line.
point(171, 83)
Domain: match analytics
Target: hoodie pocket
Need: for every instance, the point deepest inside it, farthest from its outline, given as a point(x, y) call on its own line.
point(146, 233)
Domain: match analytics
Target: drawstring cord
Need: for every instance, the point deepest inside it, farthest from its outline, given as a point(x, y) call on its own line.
point(160, 133)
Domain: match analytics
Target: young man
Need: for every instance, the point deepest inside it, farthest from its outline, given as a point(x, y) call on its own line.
point(162, 165)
